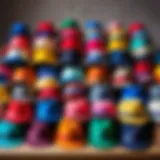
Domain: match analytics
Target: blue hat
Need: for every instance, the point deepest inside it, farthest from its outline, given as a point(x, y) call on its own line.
point(156, 58)
point(11, 135)
point(118, 58)
point(100, 92)
point(94, 58)
point(132, 92)
point(154, 92)
point(135, 137)
point(48, 111)
point(72, 74)
point(70, 57)
point(47, 71)
point(94, 35)
point(95, 24)
point(19, 29)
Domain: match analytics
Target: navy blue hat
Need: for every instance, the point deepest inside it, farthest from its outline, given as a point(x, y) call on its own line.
point(132, 92)
point(47, 71)
point(118, 58)
point(100, 92)
point(156, 58)
point(19, 29)
point(70, 57)
point(94, 58)
point(48, 111)
point(95, 24)
point(135, 137)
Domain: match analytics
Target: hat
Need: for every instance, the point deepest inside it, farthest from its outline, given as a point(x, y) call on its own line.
point(78, 109)
point(156, 57)
point(136, 26)
point(95, 57)
point(19, 112)
point(132, 91)
point(102, 133)
point(40, 134)
point(4, 94)
point(95, 45)
point(93, 24)
point(70, 134)
point(69, 23)
point(5, 74)
point(70, 57)
point(100, 92)
point(11, 135)
point(132, 112)
point(21, 92)
point(49, 93)
point(24, 74)
point(142, 70)
point(48, 110)
point(74, 91)
point(156, 73)
point(19, 29)
point(96, 74)
point(72, 74)
point(44, 56)
point(121, 76)
point(135, 137)
point(103, 108)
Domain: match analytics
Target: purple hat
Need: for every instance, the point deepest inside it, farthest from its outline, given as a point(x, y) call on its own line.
point(39, 135)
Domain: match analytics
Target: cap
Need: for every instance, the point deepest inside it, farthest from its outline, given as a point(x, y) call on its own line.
point(4, 94)
point(95, 45)
point(48, 110)
point(95, 24)
point(102, 133)
point(136, 26)
point(96, 74)
point(69, 134)
point(39, 135)
point(5, 74)
point(19, 112)
point(103, 109)
point(132, 112)
point(72, 74)
point(69, 23)
point(156, 73)
point(135, 137)
point(78, 109)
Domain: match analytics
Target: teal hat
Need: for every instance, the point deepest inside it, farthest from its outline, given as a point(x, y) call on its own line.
point(103, 133)
point(69, 23)
point(11, 135)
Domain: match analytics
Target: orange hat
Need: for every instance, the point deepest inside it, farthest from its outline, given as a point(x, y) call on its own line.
point(24, 74)
point(69, 134)
point(96, 74)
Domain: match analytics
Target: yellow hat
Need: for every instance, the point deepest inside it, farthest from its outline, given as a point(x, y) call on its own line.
point(44, 56)
point(132, 112)
point(69, 134)
point(4, 94)
point(156, 73)
point(46, 83)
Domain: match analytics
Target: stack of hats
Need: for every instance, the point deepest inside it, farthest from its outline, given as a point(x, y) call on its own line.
point(44, 45)
point(95, 54)
point(47, 104)
point(19, 112)
point(141, 51)
point(71, 43)
point(70, 133)
point(154, 110)
point(119, 61)
point(103, 129)
point(135, 131)
point(18, 48)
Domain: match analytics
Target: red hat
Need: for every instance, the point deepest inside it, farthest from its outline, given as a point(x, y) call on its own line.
point(45, 26)
point(6, 71)
point(135, 27)
point(70, 33)
point(19, 112)
point(71, 44)
point(143, 66)
point(19, 42)
point(94, 45)
point(49, 93)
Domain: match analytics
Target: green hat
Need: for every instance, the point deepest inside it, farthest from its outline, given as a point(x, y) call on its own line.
point(69, 23)
point(103, 133)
